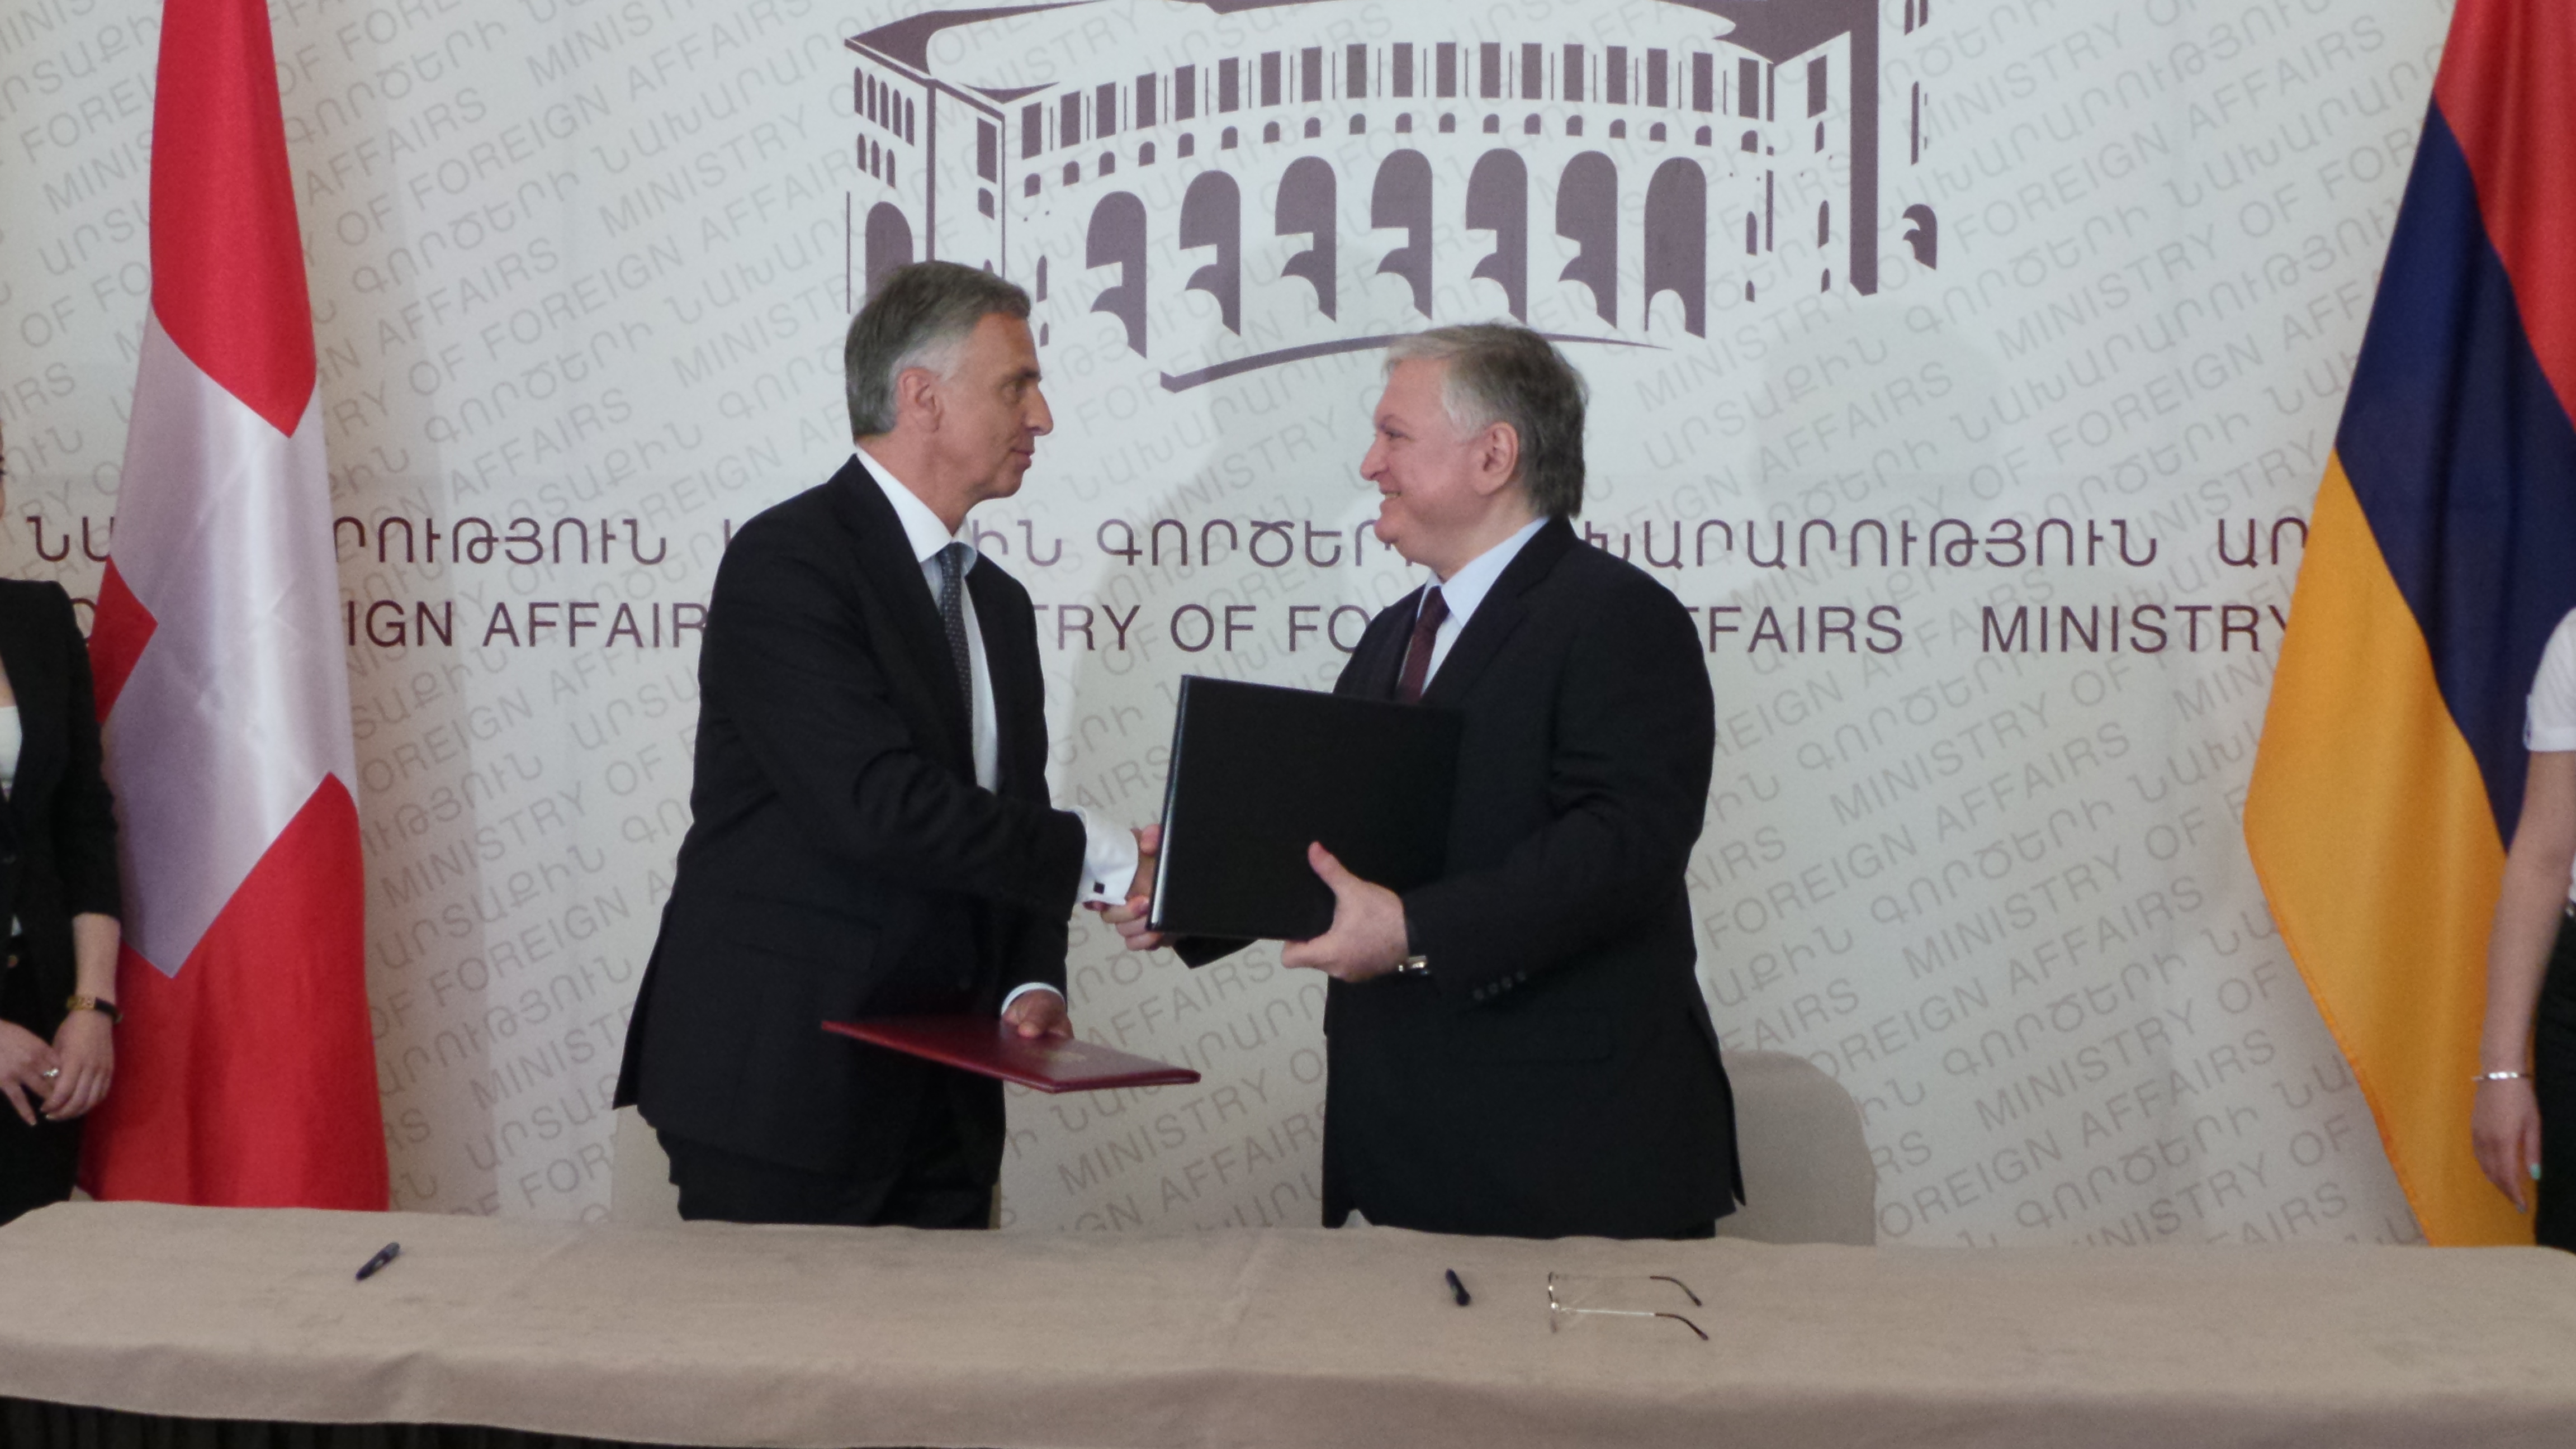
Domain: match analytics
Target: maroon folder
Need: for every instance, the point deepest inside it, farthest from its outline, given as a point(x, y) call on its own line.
point(990, 1047)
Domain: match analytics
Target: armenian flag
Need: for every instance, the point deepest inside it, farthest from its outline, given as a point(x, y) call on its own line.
point(2441, 552)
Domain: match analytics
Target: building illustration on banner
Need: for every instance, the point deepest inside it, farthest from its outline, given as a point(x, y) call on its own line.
point(1724, 154)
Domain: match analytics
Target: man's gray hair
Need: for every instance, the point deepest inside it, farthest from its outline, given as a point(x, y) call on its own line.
point(918, 315)
point(1499, 373)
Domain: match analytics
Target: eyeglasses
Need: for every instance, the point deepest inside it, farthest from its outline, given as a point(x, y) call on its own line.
point(1570, 1297)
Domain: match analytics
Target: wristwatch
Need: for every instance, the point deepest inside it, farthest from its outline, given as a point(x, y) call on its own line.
point(99, 1004)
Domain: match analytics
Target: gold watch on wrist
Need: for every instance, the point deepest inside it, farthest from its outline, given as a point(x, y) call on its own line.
point(99, 1004)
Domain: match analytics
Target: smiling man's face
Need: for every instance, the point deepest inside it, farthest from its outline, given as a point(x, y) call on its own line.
point(1438, 488)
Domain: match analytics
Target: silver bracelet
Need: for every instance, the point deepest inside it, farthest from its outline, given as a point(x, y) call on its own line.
point(2501, 1077)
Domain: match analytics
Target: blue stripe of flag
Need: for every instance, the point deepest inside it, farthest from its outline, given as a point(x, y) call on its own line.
point(2464, 461)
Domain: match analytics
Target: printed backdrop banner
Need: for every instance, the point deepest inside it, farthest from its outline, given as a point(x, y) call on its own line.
point(1965, 366)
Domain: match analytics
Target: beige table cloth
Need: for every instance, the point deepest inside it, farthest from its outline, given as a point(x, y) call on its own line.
point(818, 1337)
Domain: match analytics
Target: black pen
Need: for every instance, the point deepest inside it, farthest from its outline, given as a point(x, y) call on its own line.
point(387, 1254)
point(1457, 1289)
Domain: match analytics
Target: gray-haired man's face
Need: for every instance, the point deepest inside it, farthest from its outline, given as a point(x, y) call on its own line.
point(990, 411)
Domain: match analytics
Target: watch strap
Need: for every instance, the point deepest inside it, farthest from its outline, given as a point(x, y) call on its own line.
point(99, 1004)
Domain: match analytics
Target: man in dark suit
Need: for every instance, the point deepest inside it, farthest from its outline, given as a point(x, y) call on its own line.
point(1521, 1047)
point(872, 834)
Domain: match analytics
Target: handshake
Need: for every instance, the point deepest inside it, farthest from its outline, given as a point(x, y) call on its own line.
point(1366, 939)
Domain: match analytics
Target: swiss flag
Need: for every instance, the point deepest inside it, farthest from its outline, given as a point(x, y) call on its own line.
point(245, 1064)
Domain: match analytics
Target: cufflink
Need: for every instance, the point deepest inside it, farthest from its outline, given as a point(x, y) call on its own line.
point(1413, 966)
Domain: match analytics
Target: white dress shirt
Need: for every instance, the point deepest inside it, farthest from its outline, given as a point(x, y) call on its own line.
point(1465, 589)
point(1109, 853)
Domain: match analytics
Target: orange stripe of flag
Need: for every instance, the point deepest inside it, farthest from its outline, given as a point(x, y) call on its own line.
point(2366, 780)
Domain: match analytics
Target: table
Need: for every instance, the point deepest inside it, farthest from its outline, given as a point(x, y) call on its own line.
point(815, 1337)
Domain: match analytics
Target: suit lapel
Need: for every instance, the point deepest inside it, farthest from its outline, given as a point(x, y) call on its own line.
point(1379, 664)
point(1491, 626)
point(887, 569)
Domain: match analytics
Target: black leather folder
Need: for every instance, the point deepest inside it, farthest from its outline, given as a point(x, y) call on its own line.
point(1257, 771)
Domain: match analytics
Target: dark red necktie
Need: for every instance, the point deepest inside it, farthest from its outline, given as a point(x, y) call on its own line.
point(1417, 653)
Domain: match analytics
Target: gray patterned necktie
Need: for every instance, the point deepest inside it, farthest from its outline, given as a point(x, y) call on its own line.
point(952, 613)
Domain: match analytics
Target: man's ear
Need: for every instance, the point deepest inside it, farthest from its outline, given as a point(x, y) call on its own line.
point(916, 394)
point(1497, 457)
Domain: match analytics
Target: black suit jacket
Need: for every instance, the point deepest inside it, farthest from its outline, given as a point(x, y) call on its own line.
point(58, 838)
point(842, 861)
point(1556, 1072)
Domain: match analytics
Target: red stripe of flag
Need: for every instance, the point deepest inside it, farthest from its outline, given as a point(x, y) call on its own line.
point(2508, 89)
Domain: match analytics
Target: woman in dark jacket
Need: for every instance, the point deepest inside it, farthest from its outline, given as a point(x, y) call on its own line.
point(59, 891)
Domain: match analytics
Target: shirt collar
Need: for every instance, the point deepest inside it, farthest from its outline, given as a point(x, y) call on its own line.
point(921, 527)
point(1464, 590)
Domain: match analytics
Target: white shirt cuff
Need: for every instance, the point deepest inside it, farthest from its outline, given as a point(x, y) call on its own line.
point(1108, 860)
point(1024, 989)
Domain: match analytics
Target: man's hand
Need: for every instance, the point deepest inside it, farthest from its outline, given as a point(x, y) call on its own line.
point(1039, 1013)
point(86, 1047)
point(1128, 918)
point(25, 1058)
point(1367, 938)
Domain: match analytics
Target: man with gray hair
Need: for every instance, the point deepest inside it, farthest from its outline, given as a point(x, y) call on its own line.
point(872, 834)
point(1521, 1047)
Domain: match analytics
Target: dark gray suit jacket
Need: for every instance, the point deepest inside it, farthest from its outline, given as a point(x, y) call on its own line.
point(58, 834)
point(842, 861)
point(1556, 1072)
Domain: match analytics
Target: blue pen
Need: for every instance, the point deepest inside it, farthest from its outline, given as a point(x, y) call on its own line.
point(384, 1255)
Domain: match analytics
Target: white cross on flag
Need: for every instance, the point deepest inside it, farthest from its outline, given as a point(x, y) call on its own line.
point(246, 1066)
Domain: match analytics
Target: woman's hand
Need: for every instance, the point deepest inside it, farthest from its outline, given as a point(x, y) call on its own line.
point(85, 1046)
point(2505, 1127)
point(25, 1058)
